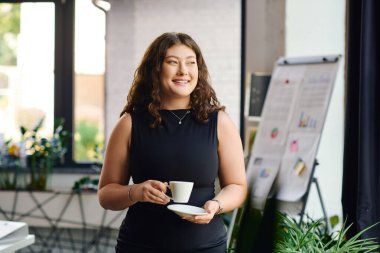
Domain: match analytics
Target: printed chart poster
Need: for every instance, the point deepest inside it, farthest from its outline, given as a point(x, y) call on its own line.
point(296, 165)
point(277, 112)
point(266, 171)
point(313, 98)
point(270, 140)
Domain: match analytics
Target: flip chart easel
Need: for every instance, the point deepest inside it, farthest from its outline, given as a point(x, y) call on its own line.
point(282, 161)
point(306, 196)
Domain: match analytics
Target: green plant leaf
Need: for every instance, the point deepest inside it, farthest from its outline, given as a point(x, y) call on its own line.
point(312, 236)
point(39, 125)
point(334, 220)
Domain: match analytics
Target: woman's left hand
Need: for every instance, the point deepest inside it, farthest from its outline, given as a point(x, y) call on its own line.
point(211, 207)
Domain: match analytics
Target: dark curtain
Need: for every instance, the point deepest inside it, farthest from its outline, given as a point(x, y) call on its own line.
point(361, 163)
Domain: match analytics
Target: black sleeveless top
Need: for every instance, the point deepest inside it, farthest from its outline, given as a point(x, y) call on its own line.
point(173, 151)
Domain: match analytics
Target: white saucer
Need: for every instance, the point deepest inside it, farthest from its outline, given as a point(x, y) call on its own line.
point(186, 210)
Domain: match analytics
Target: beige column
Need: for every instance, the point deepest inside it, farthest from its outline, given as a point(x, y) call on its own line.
point(265, 34)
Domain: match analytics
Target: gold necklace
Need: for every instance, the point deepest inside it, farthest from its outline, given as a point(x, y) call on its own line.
point(180, 118)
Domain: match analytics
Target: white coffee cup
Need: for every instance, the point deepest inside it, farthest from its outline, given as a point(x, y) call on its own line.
point(181, 191)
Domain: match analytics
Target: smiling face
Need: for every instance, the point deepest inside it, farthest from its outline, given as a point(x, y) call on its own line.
point(179, 76)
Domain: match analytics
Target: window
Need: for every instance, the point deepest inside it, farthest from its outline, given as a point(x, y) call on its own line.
point(89, 62)
point(26, 67)
point(52, 64)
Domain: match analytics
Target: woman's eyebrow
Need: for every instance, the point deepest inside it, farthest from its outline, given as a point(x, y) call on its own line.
point(188, 57)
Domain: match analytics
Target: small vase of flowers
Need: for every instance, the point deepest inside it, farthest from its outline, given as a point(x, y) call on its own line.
point(33, 156)
point(43, 153)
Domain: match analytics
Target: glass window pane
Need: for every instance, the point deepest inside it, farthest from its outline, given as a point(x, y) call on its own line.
point(89, 80)
point(26, 67)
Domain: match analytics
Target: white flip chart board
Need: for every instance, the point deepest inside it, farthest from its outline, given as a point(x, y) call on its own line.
point(290, 128)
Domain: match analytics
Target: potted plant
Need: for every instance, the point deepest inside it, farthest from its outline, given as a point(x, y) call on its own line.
point(313, 236)
point(272, 231)
point(43, 152)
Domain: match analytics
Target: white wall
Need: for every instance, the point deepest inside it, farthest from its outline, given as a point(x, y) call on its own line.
point(132, 25)
point(318, 28)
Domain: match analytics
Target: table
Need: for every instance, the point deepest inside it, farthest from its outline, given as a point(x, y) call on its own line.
point(63, 221)
point(16, 245)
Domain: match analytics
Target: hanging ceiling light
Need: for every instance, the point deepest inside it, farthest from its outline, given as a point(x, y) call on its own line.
point(102, 4)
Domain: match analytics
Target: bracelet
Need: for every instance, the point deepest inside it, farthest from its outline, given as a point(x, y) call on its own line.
point(220, 206)
point(129, 194)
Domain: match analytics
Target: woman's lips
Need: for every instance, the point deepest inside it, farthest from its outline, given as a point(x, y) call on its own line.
point(181, 82)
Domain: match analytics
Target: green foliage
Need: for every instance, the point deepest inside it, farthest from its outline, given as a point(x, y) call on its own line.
point(250, 232)
point(87, 144)
point(33, 155)
point(312, 237)
point(9, 18)
point(85, 184)
point(334, 220)
point(9, 29)
point(41, 148)
point(61, 136)
point(43, 152)
point(305, 237)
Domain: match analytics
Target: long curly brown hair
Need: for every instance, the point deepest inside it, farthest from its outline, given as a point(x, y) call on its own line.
point(145, 93)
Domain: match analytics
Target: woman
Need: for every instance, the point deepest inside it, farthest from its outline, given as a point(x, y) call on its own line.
point(172, 128)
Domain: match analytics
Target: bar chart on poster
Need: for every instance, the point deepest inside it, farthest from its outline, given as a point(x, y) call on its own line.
point(292, 120)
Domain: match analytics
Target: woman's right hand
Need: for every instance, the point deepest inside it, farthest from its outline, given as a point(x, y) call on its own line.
point(150, 191)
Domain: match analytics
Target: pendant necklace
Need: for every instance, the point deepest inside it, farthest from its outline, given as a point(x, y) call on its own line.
point(180, 118)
